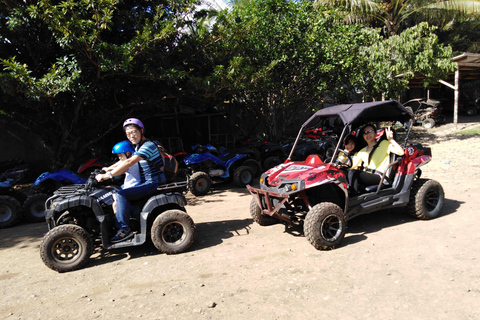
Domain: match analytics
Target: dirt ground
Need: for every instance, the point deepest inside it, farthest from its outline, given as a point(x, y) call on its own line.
point(389, 266)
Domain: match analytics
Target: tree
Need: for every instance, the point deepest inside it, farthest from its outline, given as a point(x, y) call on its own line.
point(73, 70)
point(392, 14)
point(274, 61)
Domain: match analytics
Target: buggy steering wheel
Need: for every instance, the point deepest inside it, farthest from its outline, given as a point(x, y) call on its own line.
point(347, 164)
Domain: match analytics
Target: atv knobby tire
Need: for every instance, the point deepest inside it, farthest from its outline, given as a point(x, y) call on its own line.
point(242, 176)
point(426, 199)
point(271, 162)
point(428, 123)
point(255, 165)
point(258, 217)
point(66, 248)
point(10, 211)
point(199, 183)
point(173, 231)
point(34, 207)
point(325, 226)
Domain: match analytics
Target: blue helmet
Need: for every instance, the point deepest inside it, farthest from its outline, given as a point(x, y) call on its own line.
point(123, 147)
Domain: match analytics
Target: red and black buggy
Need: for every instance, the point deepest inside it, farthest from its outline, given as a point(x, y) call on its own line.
point(318, 193)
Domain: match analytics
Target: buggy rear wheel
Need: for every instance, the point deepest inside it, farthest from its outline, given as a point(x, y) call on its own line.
point(258, 217)
point(66, 248)
point(325, 226)
point(173, 231)
point(199, 183)
point(10, 211)
point(426, 199)
point(34, 207)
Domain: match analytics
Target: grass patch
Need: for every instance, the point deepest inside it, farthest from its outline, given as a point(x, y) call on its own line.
point(470, 131)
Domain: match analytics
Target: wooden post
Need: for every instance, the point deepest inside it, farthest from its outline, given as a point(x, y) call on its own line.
point(455, 106)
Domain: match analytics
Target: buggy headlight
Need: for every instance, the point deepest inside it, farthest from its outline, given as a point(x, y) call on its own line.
point(291, 187)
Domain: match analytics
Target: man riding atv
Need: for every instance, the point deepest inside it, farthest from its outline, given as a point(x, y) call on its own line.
point(319, 194)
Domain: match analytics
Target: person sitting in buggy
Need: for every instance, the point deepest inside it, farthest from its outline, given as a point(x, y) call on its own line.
point(370, 163)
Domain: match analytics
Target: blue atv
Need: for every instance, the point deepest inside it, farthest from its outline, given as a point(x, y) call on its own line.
point(43, 188)
point(207, 164)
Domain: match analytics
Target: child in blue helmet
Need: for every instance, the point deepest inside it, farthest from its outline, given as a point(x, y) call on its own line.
point(124, 150)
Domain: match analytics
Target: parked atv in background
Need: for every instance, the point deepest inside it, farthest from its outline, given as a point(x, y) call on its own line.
point(78, 215)
point(426, 112)
point(317, 194)
point(205, 166)
point(43, 188)
point(11, 200)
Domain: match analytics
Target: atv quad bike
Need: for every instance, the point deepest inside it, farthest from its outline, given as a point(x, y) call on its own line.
point(81, 213)
point(206, 167)
point(317, 193)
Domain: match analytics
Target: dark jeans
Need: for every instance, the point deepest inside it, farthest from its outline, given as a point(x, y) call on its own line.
point(124, 199)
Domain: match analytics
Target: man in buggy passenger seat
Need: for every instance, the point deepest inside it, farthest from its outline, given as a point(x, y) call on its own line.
point(370, 163)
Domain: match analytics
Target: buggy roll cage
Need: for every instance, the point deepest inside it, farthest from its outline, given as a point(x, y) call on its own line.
point(357, 114)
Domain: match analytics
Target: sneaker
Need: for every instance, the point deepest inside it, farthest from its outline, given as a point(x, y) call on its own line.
point(122, 234)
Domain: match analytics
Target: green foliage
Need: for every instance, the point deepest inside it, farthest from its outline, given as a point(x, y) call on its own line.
point(72, 70)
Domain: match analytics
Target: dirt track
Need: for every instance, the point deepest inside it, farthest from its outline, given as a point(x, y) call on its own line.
point(389, 266)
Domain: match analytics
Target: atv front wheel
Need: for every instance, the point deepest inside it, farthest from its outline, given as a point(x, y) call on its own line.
point(34, 207)
point(242, 176)
point(10, 211)
point(66, 248)
point(325, 226)
point(258, 217)
point(199, 183)
point(428, 123)
point(426, 199)
point(173, 231)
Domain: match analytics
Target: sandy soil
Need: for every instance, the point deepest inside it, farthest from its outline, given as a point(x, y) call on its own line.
point(389, 266)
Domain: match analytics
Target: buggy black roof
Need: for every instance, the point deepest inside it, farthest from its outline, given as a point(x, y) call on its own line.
point(360, 113)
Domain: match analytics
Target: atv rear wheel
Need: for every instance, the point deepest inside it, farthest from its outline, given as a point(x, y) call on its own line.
point(325, 226)
point(34, 207)
point(199, 183)
point(258, 217)
point(255, 165)
point(271, 162)
point(173, 232)
point(242, 176)
point(66, 248)
point(426, 199)
point(10, 211)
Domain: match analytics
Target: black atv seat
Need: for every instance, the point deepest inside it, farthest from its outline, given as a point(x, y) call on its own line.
point(227, 157)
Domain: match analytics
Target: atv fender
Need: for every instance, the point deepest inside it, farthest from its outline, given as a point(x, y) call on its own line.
point(76, 201)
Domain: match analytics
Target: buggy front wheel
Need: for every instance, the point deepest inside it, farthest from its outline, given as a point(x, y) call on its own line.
point(325, 226)
point(173, 231)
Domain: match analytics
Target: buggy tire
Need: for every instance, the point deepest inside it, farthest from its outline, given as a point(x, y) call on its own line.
point(325, 226)
point(34, 207)
point(271, 162)
point(173, 231)
point(242, 176)
point(10, 211)
point(199, 183)
point(426, 199)
point(428, 123)
point(255, 165)
point(258, 217)
point(66, 248)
